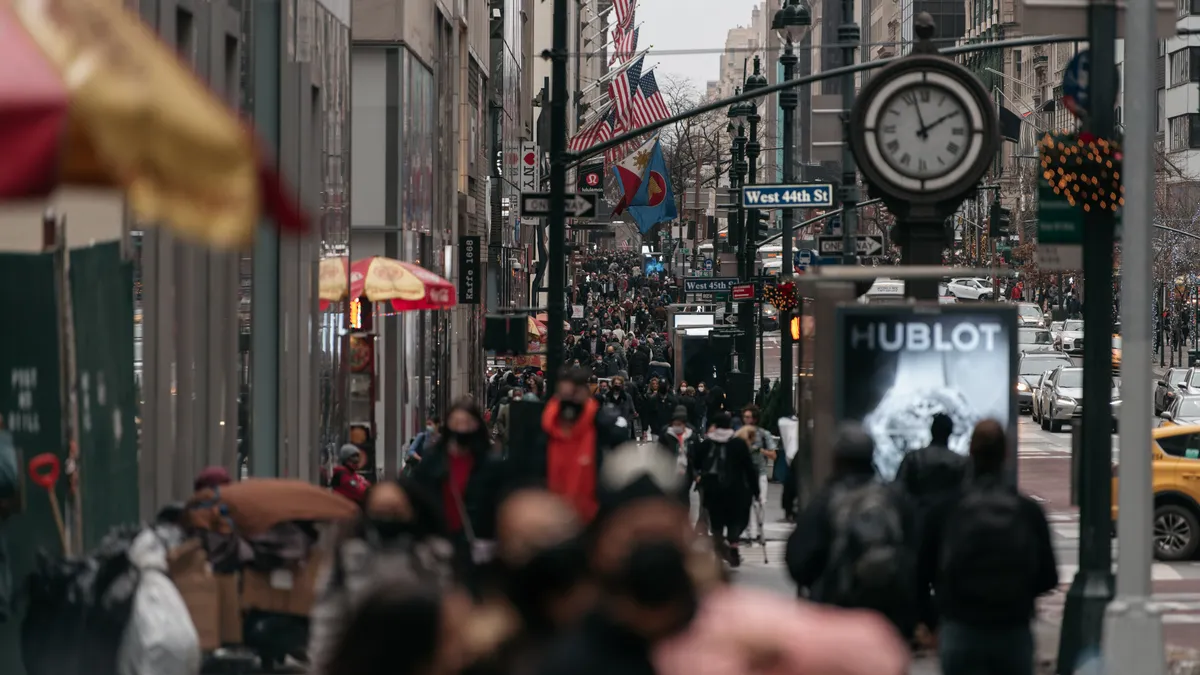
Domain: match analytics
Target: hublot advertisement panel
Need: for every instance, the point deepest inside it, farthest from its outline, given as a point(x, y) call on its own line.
point(900, 365)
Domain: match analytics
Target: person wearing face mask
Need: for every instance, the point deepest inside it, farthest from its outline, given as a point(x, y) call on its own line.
point(569, 448)
point(400, 539)
point(426, 439)
point(541, 585)
point(465, 472)
point(640, 554)
point(682, 441)
point(619, 399)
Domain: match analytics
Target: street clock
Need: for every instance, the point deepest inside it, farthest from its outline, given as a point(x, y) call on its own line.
point(925, 133)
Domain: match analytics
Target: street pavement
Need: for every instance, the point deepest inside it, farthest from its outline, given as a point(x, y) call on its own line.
point(1043, 462)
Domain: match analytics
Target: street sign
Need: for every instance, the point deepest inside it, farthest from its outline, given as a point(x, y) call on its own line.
point(804, 258)
point(1060, 232)
point(537, 205)
point(787, 196)
point(743, 292)
point(712, 285)
point(708, 263)
point(529, 166)
point(864, 244)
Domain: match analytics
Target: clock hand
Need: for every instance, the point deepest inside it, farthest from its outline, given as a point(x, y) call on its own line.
point(920, 120)
point(925, 129)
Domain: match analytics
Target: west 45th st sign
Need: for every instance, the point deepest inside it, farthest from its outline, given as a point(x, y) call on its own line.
point(786, 196)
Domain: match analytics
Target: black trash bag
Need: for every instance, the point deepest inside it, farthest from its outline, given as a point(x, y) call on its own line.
point(79, 609)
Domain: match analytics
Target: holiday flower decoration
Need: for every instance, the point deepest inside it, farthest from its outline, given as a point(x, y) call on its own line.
point(1084, 169)
point(782, 296)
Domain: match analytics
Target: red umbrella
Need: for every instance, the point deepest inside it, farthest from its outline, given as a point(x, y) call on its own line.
point(406, 285)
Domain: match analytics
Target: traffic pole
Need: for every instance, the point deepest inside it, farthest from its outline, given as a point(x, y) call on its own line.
point(788, 100)
point(1133, 640)
point(556, 307)
point(1092, 588)
point(848, 35)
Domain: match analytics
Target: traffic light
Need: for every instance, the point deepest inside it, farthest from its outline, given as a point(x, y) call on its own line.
point(998, 225)
point(762, 226)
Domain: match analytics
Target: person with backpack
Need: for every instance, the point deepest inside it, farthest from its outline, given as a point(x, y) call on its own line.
point(728, 485)
point(986, 554)
point(935, 471)
point(425, 441)
point(855, 543)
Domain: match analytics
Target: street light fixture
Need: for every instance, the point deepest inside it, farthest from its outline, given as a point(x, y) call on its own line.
point(792, 22)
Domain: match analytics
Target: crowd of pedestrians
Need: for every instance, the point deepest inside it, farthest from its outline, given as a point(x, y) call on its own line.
point(605, 540)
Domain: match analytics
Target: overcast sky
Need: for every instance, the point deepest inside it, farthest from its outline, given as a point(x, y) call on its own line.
point(672, 25)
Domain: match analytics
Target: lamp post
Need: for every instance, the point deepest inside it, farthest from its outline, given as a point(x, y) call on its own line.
point(792, 21)
point(754, 81)
point(738, 112)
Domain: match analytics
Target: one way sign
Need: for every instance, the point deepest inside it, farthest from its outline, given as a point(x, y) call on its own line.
point(537, 205)
point(864, 244)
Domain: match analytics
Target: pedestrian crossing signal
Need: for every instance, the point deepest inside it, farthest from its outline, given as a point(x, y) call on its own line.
point(795, 327)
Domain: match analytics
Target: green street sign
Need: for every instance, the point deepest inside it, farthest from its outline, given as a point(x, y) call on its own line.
point(1058, 221)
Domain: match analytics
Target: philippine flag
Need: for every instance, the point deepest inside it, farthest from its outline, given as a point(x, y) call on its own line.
point(629, 173)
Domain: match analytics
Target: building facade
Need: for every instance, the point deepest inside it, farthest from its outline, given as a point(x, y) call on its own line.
point(239, 367)
point(427, 179)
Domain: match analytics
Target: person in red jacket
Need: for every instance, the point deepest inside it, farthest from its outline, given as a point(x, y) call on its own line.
point(346, 480)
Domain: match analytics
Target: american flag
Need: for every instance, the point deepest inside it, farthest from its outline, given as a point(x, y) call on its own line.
point(617, 152)
point(599, 131)
point(648, 104)
point(624, 45)
point(624, 10)
point(623, 87)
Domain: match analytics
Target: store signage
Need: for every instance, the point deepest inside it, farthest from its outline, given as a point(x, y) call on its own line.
point(528, 161)
point(469, 269)
point(920, 361)
point(591, 178)
point(743, 292)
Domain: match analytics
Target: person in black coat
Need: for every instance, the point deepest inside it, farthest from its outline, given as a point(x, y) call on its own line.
point(464, 471)
point(728, 484)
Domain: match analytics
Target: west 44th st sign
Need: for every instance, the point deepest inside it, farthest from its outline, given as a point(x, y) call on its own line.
point(786, 196)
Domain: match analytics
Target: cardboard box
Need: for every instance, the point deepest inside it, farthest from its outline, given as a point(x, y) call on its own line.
point(230, 601)
point(282, 591)
point(188, 567)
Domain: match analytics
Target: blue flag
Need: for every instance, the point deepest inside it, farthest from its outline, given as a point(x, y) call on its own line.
point(654, 201)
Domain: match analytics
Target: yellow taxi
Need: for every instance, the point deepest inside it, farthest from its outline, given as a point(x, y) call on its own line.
point(1175, 479)
point(1116, 352)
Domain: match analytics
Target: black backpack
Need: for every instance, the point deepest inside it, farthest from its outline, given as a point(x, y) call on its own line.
point(716, 466)
point(988, 554)
point(868, 565)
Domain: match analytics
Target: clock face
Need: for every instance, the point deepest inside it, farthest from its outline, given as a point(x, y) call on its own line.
point(926, 130)
point(923, 131)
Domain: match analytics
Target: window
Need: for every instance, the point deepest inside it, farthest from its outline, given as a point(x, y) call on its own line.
point(1187, 407)
point(1177, 130)
point(1186, 8)
point(1038, 366)
point(1071, 379)
point(1175, 446)
point(1183, 66)
point(1175, 377)
point(1160, 107)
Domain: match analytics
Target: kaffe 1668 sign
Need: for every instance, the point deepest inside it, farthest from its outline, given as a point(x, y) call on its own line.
point(468, 270)
point(899, 366)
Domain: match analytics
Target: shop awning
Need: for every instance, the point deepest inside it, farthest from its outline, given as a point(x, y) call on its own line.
point(89, 95)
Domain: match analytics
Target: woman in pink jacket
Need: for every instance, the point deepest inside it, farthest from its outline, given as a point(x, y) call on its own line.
point(741, 630)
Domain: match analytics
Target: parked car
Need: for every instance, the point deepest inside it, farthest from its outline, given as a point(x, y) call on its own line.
point(1030, 368)
point(1034, 340)
point(971, 289)
point(1167, 387)
point(1056, 328)
point(1061, 398)
point(1029, 314)
point(1183, 410)
point(1174, 470)
point(1070, 337)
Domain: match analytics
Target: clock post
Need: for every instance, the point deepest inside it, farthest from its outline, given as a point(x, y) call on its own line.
point(926, 135)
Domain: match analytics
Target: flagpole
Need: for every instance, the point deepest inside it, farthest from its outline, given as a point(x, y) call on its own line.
point(616, 71)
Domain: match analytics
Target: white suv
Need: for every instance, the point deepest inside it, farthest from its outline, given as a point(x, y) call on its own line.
point(970, 289)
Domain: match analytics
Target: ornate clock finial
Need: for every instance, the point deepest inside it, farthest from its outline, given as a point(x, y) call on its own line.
point(924, 28)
